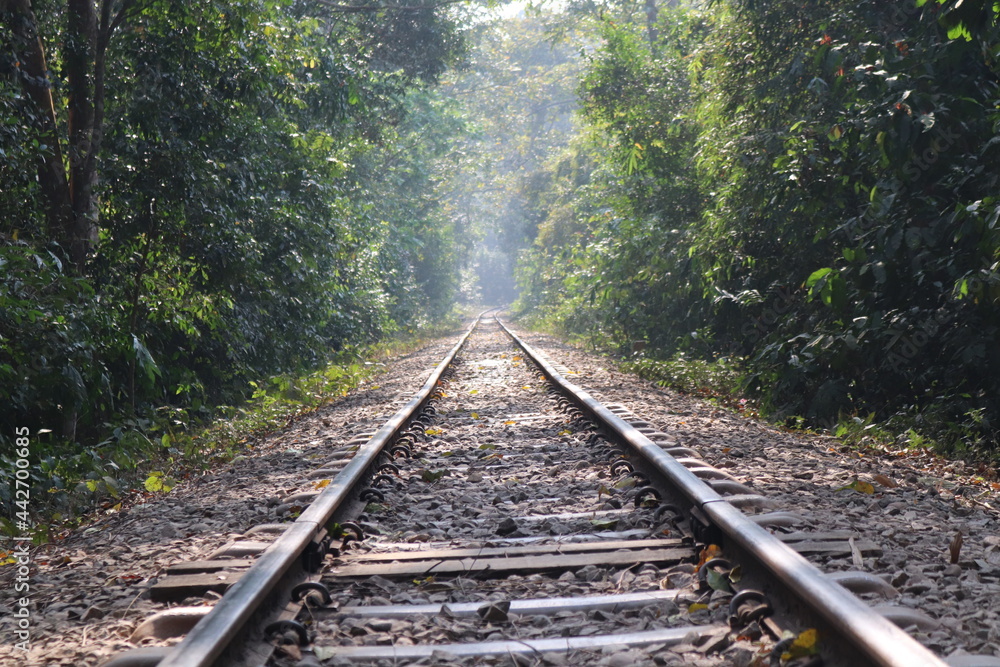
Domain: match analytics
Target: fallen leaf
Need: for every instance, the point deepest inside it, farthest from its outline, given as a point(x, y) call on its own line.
point(475, 415)
point(433, 475)
point(717, 581)
point(955, 548)
point(510, 422)
point(322, 484)
point(697, 606)
point(859, 486)
point(885, 481)
point(433, 431)
point(324, 653)
point(604, 524)
point(804, 645)
point(708, 553)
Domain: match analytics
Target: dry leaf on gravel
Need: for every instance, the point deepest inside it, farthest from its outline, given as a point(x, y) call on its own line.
point(859, 486)
point(885, 481)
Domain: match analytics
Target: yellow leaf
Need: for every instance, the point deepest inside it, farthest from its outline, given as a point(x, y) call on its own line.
point(321, 484)
point(510, 422)
point(565, 432)
point(475, 415)
point(433, 431)
point(697, 606)
point(804, 645)
point(860, 487)
point(864, 487)
point(474, 391)
point(708, 553)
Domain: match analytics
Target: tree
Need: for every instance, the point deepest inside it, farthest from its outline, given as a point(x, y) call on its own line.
point(68, 165)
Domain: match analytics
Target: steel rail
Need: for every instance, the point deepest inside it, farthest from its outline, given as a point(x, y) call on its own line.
point(868, 633)
point(213, 634)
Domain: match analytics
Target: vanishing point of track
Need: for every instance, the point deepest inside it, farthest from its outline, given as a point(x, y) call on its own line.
point(593, 514)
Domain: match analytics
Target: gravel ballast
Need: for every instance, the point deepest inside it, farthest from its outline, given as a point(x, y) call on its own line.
point(89, 591)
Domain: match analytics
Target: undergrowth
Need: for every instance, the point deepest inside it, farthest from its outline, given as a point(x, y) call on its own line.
point(142, 457)
point(723, 381)
point(719, 378)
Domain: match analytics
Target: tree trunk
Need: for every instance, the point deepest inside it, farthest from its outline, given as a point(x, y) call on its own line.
point(79, 56)
point(33, 73)
point(651, 32)
point(71, 195)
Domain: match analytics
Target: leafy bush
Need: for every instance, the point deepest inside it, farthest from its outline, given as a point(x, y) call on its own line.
point(720, 378)
point(805, 186)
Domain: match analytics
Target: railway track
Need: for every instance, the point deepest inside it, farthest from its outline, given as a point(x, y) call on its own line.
point(504, 516)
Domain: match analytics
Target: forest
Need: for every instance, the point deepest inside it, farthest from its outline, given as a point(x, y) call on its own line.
point(210, 207)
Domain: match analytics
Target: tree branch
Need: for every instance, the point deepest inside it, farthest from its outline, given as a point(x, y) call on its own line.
point(120, 16)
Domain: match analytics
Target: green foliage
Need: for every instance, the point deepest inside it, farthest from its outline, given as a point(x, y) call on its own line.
point(151, 454)
point(809, 187)
point(719, 378)
point(518, 96)
point(267, 205)
point(609, 255)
